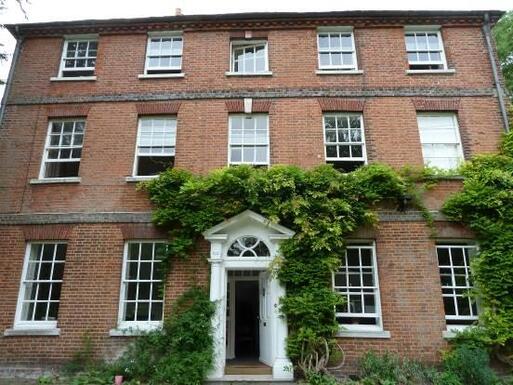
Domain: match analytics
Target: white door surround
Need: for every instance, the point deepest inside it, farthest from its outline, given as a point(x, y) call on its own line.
point(253, 256)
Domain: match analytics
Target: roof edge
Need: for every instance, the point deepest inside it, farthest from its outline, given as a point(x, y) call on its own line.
point(21, 29)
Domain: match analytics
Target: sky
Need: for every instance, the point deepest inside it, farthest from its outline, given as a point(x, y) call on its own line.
point(53, 10)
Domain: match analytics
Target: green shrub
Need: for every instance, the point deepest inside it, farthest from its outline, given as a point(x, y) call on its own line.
point(314, 378)
point(471, 365)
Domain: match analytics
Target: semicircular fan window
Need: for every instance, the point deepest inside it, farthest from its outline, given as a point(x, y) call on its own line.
point(248, 246)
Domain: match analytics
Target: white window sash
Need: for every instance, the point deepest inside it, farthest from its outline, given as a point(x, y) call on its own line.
point(248, 144)
point(19, 323)
point(362, 158)
point(72, 39)
point(377, 296)
point(135, 325)
point(248, 44)
point(460, 156)
point(138, 139)
point(441, 49)
point(171, 34)
point(49, 147)
point(342, 66)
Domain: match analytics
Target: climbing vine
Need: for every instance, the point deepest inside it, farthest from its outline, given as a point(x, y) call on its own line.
point(322, 205)
point(485, 204)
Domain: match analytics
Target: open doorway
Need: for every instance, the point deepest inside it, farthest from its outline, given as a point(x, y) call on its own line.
point(246, 321)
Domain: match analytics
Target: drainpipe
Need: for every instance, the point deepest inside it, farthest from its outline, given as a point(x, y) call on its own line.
point(498, 86)
point(19, 41)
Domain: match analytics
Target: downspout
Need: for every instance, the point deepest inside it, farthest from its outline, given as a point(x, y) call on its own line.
point(7, 89)
point(500, 93)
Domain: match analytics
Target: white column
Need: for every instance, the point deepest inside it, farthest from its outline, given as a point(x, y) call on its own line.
point(217, 294)
point(282, 366)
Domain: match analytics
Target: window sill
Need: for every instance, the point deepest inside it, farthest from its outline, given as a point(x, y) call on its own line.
point(338, 72)
point(453, 330)
point(364, 334)
point(55, 180)
point(133, 331)
point(32, 332)
point(266, 73)
point(135, 179)
point(161, 76)
point(432, 72)
point(73, 79)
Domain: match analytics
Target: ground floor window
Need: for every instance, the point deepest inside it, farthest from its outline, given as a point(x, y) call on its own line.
point(142, 296)
point(456, 281)
point(40, 290)
point(357, 282)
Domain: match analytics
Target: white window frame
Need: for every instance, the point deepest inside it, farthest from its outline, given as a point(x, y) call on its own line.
point(337, 30)
point(171, 69)
point(268, 160)
point(77, 38)
point(363, 158)
point(135, 325)
point(32, 325)
point(47, 148)
point(456, 327)
point(237, 44)
point(426, 29)
point(136, 152)
point(458, 135)
point(377, 294)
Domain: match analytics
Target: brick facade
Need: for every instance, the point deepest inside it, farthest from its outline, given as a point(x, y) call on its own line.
point(295, 98)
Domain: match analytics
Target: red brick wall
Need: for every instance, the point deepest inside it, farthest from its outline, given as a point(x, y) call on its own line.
point(292, 59)
point(89, 297)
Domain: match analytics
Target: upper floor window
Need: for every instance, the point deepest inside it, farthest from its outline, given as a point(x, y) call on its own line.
point(78, 57)
point(249, 139)
point(440, 138)
point(155, 152)
point(425, 49)
point(164, 54)
point(336, 50)
point(344, 140)
point(357, 282)
point(142, 295)
point(63, 149)
point(41, 283)
point(456, 280)
point(249, 57)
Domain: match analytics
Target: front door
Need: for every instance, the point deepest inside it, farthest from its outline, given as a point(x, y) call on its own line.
point(264, 320)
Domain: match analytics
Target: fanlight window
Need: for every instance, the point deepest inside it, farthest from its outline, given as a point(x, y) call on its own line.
point(248, 247)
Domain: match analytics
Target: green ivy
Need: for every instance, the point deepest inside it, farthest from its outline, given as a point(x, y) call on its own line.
point(322, 205)
point(485, 204)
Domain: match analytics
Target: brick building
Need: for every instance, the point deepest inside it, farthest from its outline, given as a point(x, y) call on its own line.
point(94, 106)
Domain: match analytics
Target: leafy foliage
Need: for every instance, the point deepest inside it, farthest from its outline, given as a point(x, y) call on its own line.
point(503, 33)
point(322, 205)
point(486, 205)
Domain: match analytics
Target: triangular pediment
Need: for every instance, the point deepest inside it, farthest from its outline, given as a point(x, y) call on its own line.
point(274, 230)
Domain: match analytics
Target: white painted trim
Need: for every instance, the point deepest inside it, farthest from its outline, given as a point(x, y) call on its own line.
point(73, 79)
point(75, 179)
point(67, 39)
point(32, 332)
point(266, 73)
point(235, 43)
point(363, 334)
point(128, 327)
point(141, 178)
point(340, 67)
point(268, 160)
point(26, 326)
point(156, 34)
point(427, 72)
point(363, 158)
point(161, 76)
point(427, 29)
point(338, 72)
